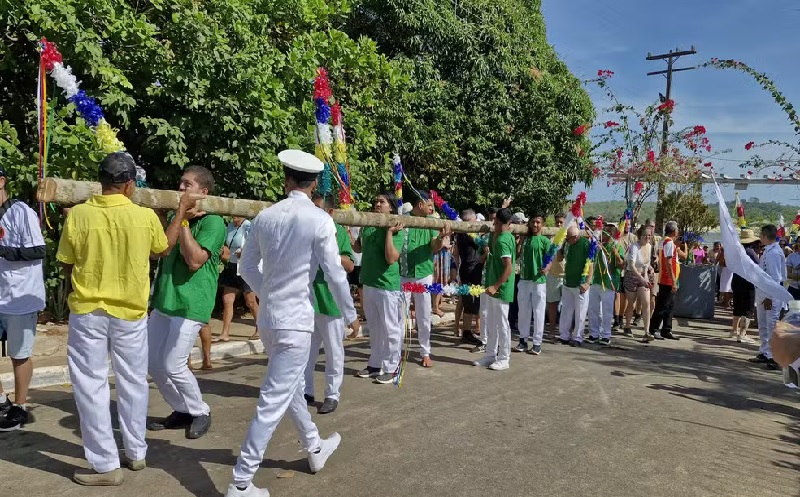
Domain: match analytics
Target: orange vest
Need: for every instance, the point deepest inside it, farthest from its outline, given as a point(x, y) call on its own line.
point(665, 277)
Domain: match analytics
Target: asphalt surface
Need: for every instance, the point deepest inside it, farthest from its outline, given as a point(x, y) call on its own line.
point(687, 418)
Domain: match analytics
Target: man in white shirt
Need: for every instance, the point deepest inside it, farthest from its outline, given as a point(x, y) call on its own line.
point(22, 296)
point(773, 262)
point(292, 239)
point(793, 271)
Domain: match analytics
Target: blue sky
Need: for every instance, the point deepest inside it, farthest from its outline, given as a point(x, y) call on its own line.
point(617, 35)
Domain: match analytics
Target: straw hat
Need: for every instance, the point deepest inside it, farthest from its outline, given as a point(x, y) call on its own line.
point(747, 236)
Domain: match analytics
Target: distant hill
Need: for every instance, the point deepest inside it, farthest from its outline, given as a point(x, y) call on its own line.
point(756, 212)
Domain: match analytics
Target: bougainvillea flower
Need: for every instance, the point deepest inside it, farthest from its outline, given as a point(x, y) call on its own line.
point(580, 130)
point(749, 145)
point(610, 124)
point(651, 156)
point(667, 106)
point(699, 130)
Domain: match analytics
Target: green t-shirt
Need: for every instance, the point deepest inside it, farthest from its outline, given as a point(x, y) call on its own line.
point(574, 261)
point(533, 252)
point(416, 258)
point(503, 246)
point(323, 299)
point(191, 294)
point(605, 264)
point(375, 272)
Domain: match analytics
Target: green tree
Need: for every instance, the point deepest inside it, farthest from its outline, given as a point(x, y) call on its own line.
point(493, 109)
point(689, 210)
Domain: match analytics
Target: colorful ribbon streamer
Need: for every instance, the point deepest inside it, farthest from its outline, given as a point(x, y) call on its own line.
point(443, 206)
point(561, 234)
point(340, 156)
point(397, 170)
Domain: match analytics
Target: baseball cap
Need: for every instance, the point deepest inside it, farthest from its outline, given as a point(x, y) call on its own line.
point(118, 167)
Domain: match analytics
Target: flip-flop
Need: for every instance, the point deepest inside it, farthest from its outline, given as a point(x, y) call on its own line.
point(218, 340)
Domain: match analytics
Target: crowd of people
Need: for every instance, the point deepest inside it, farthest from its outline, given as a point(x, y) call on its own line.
point(302, 267)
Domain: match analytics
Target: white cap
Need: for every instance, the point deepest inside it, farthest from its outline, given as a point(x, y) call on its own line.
point(298, 160)
point(480, 217)
point(407, 208)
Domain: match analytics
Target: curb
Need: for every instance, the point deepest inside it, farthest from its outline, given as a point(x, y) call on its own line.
point(59, 375)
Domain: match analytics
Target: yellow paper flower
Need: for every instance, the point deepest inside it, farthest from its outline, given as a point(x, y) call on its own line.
point(561, 235)
point(476, 290)
point(107, 138)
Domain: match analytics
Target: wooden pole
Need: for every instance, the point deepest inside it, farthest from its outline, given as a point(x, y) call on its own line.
point(69, 192)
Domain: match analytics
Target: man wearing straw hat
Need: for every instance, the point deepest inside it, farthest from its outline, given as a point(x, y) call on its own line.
point(292, 239)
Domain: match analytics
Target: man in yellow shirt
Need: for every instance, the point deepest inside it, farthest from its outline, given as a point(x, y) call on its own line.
point(105, 247)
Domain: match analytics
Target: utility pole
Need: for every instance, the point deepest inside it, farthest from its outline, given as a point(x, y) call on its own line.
point(671, 57)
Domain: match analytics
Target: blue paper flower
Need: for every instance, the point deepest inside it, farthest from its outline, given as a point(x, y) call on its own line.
point(87, 108)
point(323, 112)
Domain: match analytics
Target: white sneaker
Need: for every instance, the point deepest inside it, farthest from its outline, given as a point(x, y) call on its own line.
point(317, 459)
point(250, 491)
point(484, 362)
point(499, 365)
point(746, 339)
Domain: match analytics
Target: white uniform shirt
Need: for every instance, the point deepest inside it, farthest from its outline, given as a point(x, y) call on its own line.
point(773, 262)
point(21, 282)
point(293, 238)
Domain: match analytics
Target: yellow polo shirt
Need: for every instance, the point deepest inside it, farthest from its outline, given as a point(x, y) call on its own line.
point(108, 241)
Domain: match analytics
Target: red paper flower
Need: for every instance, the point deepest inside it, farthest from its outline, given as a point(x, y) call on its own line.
point(749, 145)
point(580, 130)
point(610, 124)
point(437, 200)
point(667, 106)
point(336, 113)
point(699, 130)
point(596, 172)
point(707, 164)
point(50, 54)
point(604, 73)
point(322, 88)
point(637, 188)
point(651, 156)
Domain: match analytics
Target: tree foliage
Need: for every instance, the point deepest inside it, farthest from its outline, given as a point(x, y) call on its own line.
point(492, 108)
point(689, 210)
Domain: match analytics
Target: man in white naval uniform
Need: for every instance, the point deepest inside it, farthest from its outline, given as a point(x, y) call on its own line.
point(292, 239)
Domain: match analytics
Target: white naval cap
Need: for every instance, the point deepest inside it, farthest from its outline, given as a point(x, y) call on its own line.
point(298, 160)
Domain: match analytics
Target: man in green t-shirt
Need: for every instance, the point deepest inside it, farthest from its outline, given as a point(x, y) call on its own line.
point(329, 326)
point(502, 251)
point(575, 293)
point(183, 298)
point(532, 291)
point(416, 266)
point(608, 263)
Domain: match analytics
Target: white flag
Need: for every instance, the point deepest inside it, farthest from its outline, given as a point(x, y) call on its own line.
point(739, 262)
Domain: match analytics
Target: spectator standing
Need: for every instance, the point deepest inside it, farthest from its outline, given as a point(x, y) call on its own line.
point(22, 296)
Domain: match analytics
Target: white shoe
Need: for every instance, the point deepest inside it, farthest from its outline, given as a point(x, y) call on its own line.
point(484, 362)
point(317, 459)
point(250, 491)
point(499, 365)
point(746, 339)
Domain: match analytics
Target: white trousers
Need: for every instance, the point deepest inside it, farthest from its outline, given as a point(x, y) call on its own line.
point(384, 312)
point(766, 324)
point(281, 390)
point(601, 311)
point(532, 298)
point(483, 301)
point(171, 341)
point(328, 332)
point(422, 313)
point(574, 306)
point(498, 331)
point(91, 338)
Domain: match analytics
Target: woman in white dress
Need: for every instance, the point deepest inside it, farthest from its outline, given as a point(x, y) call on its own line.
point(638, 282)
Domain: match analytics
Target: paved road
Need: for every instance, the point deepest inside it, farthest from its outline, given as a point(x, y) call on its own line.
point(688, 418)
